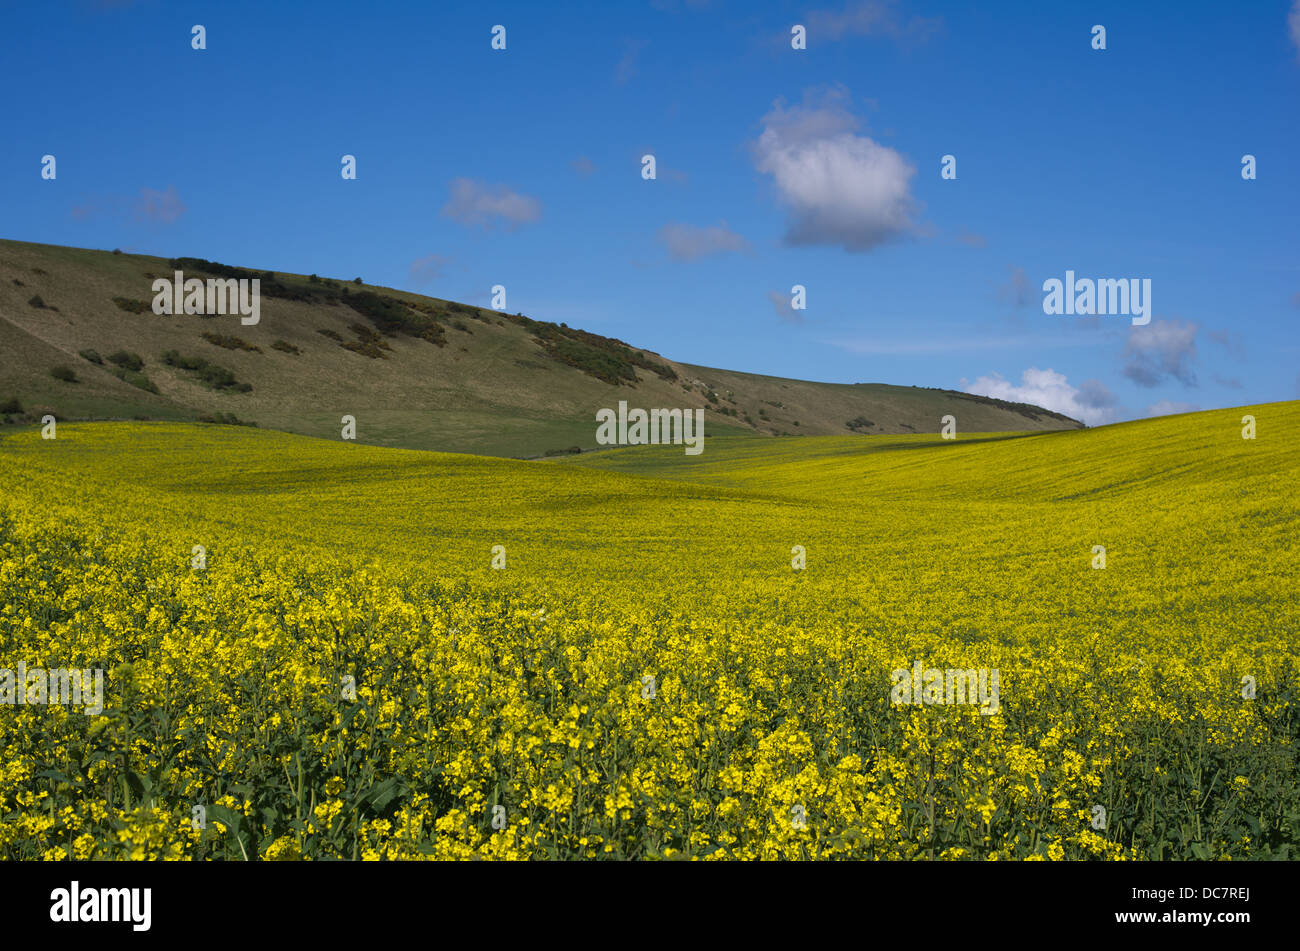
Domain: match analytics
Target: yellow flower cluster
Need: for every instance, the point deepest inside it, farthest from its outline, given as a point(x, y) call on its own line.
point(346, 676)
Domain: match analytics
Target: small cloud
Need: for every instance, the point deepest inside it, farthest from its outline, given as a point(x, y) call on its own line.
point(785, 309)
point(1230, 342)
point(90, 208)
point(1294, 21)
point(476, 203)
point(428, 268)
point(1018, 290)
point(627, 63)
point(839, 188)
point(689, 243)
point(1161, 350)
point(871, 18)
point(583, 166)
point(973, 240)
point(1171, 407)
point(164, 207)
point(1091, 402)
point(1231, 383)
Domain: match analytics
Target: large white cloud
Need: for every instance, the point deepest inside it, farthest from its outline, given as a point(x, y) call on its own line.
point(1090, 402)
point(839, 188)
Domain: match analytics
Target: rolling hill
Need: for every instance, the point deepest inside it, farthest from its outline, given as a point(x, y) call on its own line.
point(78, 339)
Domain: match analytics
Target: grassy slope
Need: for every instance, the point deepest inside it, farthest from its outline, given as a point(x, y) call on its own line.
point(490, 390)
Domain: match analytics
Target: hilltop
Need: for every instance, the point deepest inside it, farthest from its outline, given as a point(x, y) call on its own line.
point(80, 340)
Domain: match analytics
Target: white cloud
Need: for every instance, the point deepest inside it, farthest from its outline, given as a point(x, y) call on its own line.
point(1090, 402)
point(477, 203)
point(1169, 407)
point(688, 242)
point(1161, 350)
point(839, 188)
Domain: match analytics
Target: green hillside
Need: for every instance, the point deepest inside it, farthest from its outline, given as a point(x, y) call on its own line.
point(416, 372)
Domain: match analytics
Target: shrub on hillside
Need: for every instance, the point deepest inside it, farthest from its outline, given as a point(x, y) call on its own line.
point(126, 360)
point(91, 355)
point(11, 406)
point(135, 378)
point(132, 306)
point(217, 377)
point(63, 373)
point(285, 346)
point(230, 342)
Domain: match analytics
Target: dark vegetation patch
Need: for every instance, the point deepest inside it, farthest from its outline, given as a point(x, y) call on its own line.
point(225, 419)
point(216, 377)
point(19, 283)
point(128, 361)
point(11, 406)
point(230, 342)
point(333, 335)
point(271, 286)
point(368, 342)
point(91, 355)
point(132, 306)
point(572, 450)
point(40, 304)
point(859, 424)
point(391, 316)
point(135, 378)
point(605, 358)
point(63, 373)
point(285, 347)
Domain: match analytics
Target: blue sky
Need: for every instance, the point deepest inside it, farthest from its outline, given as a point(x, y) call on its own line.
point(775, 167)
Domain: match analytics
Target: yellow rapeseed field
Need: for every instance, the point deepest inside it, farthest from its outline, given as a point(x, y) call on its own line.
point(309, 654)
